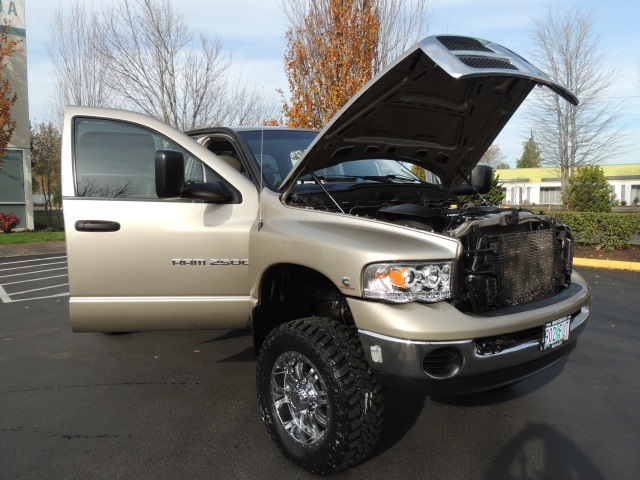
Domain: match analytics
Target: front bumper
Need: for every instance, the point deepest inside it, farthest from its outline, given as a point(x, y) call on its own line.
point(463, 366)
point(501, 348)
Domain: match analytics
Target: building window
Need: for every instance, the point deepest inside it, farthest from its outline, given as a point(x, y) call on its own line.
point(635, 194)
point(550, 196)
point(12, 177)
point(12, 186)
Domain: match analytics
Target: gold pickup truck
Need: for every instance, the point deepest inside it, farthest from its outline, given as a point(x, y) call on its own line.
point(353, 272)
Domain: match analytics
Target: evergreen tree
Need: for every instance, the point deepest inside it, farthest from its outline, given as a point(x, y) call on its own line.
point(531, 154)
point(589, 191)
point(496, 194)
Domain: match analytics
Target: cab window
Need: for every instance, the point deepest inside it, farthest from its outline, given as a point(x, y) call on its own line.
point(117, 160)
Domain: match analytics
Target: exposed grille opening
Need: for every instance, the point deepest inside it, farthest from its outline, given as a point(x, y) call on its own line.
point(443, 362)
point(528, 272)
point(484, 62)
point(491, 345)
point(462, 43)
point(508, 269)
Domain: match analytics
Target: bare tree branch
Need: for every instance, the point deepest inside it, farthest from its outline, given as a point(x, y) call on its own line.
point(402, 23)
point(142, 54)
point(79, 74)
point(567, 48)
point(493, 157)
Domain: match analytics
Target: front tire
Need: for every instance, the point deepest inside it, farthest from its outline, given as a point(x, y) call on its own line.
point(321, 403)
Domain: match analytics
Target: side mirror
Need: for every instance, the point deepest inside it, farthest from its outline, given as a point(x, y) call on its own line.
point(481, 178)
point(169, 174)
point(170, 181)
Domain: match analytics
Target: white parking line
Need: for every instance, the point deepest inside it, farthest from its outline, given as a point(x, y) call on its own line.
point(31, 273)
point(32, 266)
point(39, 298)
point(18, 269)
point(34, 280)
point(4, 298)
point(37, 289)
point(34, 260)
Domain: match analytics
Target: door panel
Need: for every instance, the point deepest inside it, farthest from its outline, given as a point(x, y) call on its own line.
point(138, 262)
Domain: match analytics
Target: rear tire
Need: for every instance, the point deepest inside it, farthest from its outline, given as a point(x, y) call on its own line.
point(320, 402)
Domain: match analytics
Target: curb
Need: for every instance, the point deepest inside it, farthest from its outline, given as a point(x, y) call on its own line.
point(44, 248)
point(610, 264)
point(27, 249)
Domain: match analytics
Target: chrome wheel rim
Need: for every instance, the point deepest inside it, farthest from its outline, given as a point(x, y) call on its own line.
point(299, 397)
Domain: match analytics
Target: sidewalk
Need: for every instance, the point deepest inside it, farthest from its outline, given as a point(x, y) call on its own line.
point(45, 248)
point(25, 249)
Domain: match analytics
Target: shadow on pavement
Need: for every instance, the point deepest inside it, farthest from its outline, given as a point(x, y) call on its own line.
point(402, 409)
point(506, 393)
point(230, 335)
point(541, 451)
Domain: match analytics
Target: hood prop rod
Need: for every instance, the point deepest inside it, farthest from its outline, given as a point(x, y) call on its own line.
point(484, 200)
point(317, 180)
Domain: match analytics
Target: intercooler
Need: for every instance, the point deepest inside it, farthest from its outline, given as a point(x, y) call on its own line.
point(503, 270)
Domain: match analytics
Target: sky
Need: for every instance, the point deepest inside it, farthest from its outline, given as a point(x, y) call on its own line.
point(253, 31)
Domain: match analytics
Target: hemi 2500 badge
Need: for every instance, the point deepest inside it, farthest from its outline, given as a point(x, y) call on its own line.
point(212, 261)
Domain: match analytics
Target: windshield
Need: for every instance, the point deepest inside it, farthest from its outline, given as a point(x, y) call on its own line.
point(376, 170)
point(279, 150)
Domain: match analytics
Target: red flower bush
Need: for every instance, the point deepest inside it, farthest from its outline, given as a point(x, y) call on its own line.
point(8, 222)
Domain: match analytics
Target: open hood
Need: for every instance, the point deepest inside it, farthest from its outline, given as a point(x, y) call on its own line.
point(440, 105)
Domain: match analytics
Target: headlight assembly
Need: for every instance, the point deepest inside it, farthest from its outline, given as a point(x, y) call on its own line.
point(409, 282)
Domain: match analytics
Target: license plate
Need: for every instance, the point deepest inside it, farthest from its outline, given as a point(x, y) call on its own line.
point(556, 333)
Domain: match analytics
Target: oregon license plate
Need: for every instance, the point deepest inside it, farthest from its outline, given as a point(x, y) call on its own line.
point(556, 333)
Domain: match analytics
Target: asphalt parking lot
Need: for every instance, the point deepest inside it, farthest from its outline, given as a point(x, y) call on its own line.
point(33, 278)
point(170, 405)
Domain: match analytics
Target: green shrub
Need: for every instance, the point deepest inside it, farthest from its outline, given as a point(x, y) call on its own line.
point(495, 196)
point(611, 230)
point(589, 191)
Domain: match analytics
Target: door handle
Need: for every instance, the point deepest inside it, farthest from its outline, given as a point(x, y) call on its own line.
point(97, 226)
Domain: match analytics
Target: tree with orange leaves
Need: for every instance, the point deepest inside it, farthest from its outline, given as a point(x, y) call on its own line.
point(334, 47)
point(7, 48)
point(329, 59)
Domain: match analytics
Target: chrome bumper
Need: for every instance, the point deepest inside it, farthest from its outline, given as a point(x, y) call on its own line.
point(405, 358)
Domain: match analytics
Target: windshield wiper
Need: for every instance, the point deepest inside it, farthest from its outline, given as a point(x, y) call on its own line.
point(375, 178)
point(337, 178)
point(405, 177)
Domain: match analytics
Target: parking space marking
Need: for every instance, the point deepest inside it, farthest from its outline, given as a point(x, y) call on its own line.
point(38, 298)
point(43, 278)
point(4, 298)
point(35, 275)
point(31, 266)
point(38, 289)
point(34, 260)
point(31, 273)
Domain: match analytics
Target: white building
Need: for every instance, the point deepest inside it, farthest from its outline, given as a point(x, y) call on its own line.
point(541, 186)
point(15, 164)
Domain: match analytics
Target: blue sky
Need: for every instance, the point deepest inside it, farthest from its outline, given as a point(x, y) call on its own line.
point(253, 31)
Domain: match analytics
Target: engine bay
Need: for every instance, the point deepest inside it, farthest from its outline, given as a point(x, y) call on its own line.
point(511, 256)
